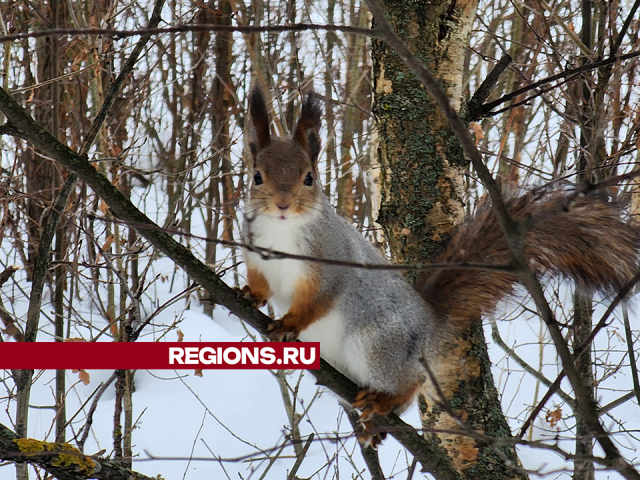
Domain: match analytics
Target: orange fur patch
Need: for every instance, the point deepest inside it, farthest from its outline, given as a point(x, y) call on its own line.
point(372, 403)
point(257, 289)
point(307, 307)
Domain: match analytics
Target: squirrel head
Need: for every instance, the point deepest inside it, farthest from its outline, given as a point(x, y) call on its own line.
point(285, 171)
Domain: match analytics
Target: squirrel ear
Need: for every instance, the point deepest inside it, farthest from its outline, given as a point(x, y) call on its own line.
point(260, 119)
point(306, 133)
point(254, 152)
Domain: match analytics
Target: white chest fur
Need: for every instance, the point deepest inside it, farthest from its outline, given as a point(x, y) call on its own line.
point(281, 274)
point(343, 352)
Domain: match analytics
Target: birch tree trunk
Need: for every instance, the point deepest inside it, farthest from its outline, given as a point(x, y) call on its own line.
point(422, 185)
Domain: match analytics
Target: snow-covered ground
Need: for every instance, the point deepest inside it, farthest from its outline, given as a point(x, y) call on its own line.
point(228, 421)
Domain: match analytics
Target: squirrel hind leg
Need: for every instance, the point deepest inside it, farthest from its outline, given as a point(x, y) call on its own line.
point(371, 403)
point(368, 436)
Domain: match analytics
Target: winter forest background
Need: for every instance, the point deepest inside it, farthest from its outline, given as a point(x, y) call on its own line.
point(162, 114)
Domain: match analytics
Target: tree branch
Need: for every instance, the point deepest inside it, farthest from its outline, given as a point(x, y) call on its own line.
point(297, 27)
point(61, 460)
point(625, 27)
point(632, 355)
point(486, 109)
point(472, 108)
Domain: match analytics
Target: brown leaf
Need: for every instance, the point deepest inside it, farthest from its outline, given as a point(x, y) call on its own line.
point(180, 335)
point(84, 376)
point(553, 417)
point(477, 129)
point(198, 372)
point(108, 243)
point(113, 325)
point(13, 332)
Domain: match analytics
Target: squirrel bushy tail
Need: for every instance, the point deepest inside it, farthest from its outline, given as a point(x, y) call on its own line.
point(583, 238)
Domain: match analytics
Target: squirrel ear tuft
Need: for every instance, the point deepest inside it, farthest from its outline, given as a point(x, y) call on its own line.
point(260, 118)
point(307, 133)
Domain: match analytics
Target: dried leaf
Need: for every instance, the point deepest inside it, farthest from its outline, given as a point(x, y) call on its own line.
point(198, 372)
point(84, 376)
point(180, 335)
point(477, 129)
point(14, 333)
point(108, 243)
point(113, 325)
point(618, 336)
point(553, 417)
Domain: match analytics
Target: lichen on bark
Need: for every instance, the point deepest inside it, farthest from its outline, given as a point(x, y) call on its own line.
point(422, 161)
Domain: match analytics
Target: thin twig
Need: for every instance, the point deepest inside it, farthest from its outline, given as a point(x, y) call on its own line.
point(270, 254)
point(631, 350)
point(119, 34)
point(301, 456)
point(495, 334)
point(87, 425)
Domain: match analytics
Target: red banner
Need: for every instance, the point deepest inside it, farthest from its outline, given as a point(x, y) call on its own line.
point(155, 355)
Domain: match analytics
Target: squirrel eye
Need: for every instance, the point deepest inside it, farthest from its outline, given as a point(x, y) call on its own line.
point(257, 178)
point(308, 180)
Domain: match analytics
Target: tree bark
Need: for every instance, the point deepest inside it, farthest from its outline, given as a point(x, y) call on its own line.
point(422, 181)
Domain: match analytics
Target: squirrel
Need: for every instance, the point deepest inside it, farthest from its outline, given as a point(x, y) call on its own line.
point(372, 325)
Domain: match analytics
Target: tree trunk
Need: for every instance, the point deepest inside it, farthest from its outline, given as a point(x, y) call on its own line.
point(422, 182)
point(220, 199)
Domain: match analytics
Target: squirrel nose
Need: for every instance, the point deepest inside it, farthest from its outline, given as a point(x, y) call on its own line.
point(283, 205)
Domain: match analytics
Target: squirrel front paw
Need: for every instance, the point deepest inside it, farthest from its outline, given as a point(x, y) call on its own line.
point(283, 330)
point(246, 293)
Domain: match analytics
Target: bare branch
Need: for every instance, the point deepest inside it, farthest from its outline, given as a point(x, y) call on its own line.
point(625, 27)
point(472, 107)
point(296, 466)
point(298, 27)
point(487, 108)
point(632, 355)
point(61, 459)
